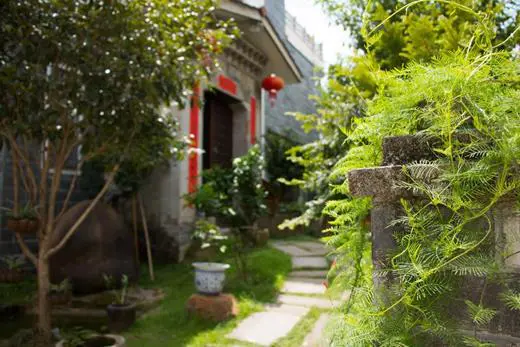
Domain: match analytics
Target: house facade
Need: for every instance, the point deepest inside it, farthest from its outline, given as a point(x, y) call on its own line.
point(233, 113)
point(226, 116)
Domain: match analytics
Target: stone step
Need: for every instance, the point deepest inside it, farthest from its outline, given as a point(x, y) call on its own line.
point(315, 338)
point(264, 328)
point(316, 248)
point(316, 263)
point(310, 274)
point(292, 250)
point(307, 301)
point(304, 286)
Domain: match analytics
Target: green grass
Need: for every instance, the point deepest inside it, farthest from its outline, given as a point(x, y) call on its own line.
point(17, 293)
point(170, 326)
point(299, 332)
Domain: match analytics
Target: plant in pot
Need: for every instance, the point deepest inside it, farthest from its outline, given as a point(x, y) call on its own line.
point(12, 273)
point(121, 313)
point(209, 276)
point(61, 294)
point(23, 222)
point(236, 197)
point(80, 337)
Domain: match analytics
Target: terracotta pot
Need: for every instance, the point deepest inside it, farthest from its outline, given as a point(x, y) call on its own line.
point(120, 317)
point(261, 236)
point(11, 275)
point(22, 226)
point(107, 340)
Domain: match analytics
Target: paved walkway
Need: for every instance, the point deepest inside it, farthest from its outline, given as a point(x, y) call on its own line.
point(303, 289)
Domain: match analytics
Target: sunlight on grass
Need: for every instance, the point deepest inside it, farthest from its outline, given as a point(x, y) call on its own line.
point(170, 326)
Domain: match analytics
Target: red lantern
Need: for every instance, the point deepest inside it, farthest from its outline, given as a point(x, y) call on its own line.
point(273, 84)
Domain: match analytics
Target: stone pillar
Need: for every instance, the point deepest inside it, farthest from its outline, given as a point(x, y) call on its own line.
point(380, 183)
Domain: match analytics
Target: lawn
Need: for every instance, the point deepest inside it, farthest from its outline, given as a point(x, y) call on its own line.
point(170, 326)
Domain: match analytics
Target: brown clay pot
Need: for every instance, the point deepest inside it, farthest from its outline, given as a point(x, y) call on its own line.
point(120, 317)
point(261, 237)
point(11, 276)
point(22, 226)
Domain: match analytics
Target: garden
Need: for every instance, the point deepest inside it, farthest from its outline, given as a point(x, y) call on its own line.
point(412, 182)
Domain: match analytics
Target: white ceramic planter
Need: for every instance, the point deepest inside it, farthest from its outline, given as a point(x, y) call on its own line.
point(119, 341)
point(210, 277)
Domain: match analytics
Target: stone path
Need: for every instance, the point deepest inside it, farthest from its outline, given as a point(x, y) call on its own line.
point(303, 289)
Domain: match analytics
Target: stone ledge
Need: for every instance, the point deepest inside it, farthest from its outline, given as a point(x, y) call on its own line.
point(379, 182)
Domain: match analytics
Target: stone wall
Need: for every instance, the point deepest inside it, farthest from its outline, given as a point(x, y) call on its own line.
point(293, 98)
point(380, 184)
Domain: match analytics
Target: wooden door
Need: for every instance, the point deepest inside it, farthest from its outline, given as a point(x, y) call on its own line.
point(218, 132)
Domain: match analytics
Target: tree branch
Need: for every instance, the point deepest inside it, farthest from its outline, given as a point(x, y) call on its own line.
point(26, 251)
point(84, 215)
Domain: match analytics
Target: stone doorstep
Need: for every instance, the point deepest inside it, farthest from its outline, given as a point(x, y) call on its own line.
point(307, 301)
point(315, 337)
point(264, 328)
point(310, 274)
point(304, 286)
point(315, 263)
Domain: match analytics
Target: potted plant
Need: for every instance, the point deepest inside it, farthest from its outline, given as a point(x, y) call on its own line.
point(209, 276)
point(24, 222)
point(61, 294)
point(13, 272)
point(121, 313)
point(79, 337)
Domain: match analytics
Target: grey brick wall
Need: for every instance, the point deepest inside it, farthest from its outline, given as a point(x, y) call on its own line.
point(293, 98)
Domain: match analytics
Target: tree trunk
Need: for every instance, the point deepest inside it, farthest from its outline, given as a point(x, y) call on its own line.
point(44, 309)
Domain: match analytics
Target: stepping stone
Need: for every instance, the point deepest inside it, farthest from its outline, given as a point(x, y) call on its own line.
point(264, 328)
point(304, 286)
point(310, 274)
point(309, 263)
point(316, 248)
point(292, 250)
point(307, 301)
point(315, 337)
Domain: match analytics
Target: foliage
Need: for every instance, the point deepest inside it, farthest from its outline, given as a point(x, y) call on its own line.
point(278, 167)
point(423, 31)
point(235, 196)
point(268, 267)
point(14, 262)
point(64, 286)
point(121, 293)
point(27, 212)
point(385, 40)
point(466, 106)
point(212, 197)
point(209, 235)
point(95, 75)
point(247, 192)
point(77, 336)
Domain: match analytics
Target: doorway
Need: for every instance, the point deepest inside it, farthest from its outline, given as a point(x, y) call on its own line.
point(217, 131)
